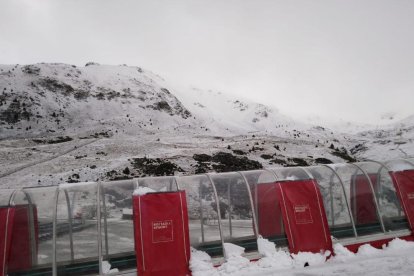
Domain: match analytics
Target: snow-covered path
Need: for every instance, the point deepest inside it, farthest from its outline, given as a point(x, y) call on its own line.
point(47, 159)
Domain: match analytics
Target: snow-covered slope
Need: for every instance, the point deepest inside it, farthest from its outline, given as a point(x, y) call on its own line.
point(241, 116)
point(389, 141)
point(57, 98)
point(42, 99)
point(61, 123)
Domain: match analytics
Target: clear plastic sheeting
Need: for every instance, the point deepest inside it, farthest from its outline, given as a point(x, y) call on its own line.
point(24, 250)
point(5, 197)
point(389, 205)
point(159, 184)
point(335, 201)
point(77, 224)
point(290, 174)
point(253, 179)
point(202, 213)
point(266, 205)
point(33, 228)
point(362, 202)
point(259, 177)
point(399, 165)
point(72, 228)
point(117, 229)
point(236, 213)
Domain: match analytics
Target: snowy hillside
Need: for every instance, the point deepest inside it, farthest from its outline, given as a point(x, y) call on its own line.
point(42, 99)
point(389, 141)
point(240, 116)
point(63, 123)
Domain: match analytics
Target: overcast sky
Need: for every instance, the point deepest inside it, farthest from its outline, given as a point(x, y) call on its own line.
point(336, 59)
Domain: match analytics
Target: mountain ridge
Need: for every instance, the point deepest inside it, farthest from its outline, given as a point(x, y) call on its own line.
point(64, 123)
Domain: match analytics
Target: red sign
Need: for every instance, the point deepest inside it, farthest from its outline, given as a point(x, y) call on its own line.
point(161, 234)
point(303, 214)
point(162, 231)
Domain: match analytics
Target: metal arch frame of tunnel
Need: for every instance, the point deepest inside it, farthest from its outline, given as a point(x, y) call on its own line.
point(358, 168)
point(397, 190)
point(373, 195)
point(218, 211)
point(307, 172)
point(99, 230)
point(273, 172)
point(254, 207)
point(330, 192)
point(384, 166)
point(310, 177)
point(211, 181)
point(407, 161)
point(335, 173)
point(54, 228)
point(136, 182)
point(256, 227)
point(31, 220)
point(277, 180)
point(316, 184)
point(277, 177)
point(101, 192)
point(101, 199)
point(201, 208)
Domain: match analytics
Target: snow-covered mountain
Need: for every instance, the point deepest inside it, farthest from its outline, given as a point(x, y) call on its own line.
point(43, 99)
point(61, 123)
point(388, 141)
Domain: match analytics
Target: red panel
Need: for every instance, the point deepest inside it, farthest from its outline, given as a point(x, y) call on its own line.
point(161, 234)
point(404, 184)
point(6, 227)
point(20, 253)
point(362, 199)
point(304, 216)
point(269, 215)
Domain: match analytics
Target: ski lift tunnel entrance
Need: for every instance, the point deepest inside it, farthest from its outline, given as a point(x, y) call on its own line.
point(71, 229)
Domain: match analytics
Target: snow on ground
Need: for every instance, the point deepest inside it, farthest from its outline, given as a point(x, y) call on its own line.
point(106, 268)
point(395, 259)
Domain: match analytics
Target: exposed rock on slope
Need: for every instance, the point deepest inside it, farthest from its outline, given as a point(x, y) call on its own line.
point(59, 98)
